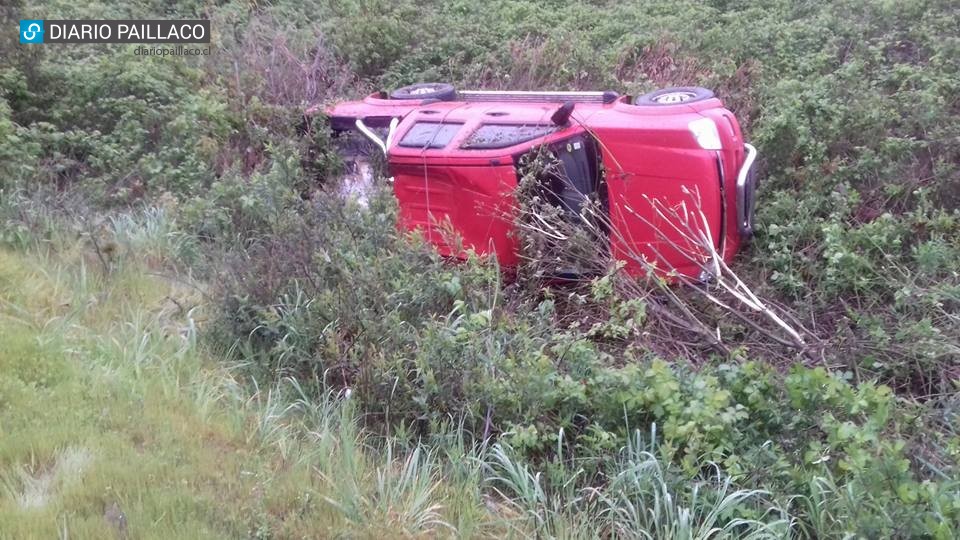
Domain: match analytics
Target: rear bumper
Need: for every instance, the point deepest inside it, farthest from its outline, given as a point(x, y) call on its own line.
point(746, 193)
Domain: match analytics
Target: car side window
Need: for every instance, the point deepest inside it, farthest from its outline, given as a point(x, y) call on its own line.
point(430, 135)
point(490, 136)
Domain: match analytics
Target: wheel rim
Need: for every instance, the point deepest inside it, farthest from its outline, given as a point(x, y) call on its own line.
point(674, 97)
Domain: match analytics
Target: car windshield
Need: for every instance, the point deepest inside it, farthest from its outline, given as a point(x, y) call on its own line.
point(430, 135)
point(491, 136)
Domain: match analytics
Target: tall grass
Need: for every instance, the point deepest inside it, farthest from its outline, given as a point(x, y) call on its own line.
point(150, 232)
point(640, 503)
point(126, 337)
point(640, 500)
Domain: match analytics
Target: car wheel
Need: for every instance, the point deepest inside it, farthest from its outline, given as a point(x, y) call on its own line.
point(438, 91)
point(674, 96)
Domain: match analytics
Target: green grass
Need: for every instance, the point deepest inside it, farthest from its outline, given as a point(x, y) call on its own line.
point(111, 405)
point(105, 399)
point(91, 415)
point(114, 421)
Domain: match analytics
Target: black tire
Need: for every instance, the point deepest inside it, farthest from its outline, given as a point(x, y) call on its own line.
point(438, 91)
point(674, 96)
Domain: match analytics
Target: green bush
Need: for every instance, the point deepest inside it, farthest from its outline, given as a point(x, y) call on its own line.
point(851, 104)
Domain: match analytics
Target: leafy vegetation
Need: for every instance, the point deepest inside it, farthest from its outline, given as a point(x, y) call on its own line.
point(204, 337)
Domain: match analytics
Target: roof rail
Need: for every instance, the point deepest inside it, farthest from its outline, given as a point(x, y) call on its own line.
point(608, 96)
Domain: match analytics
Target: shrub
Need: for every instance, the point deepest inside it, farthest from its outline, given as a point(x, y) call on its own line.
point(851, 104)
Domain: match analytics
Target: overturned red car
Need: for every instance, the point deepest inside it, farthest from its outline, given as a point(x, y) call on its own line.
point(674, 154)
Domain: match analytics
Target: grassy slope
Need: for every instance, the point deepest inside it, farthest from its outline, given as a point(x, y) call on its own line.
point(105, 399)
point(89, 417)
point(109, 407)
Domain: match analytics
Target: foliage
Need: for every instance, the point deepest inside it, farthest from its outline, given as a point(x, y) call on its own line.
point(518, 400)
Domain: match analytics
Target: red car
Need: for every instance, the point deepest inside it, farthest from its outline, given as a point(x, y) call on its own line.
point(677, 174)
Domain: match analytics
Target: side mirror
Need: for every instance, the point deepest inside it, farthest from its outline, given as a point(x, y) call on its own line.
point(561, 116)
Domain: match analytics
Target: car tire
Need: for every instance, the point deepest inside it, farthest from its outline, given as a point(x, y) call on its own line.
point(437, 91)
point(674, 96)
